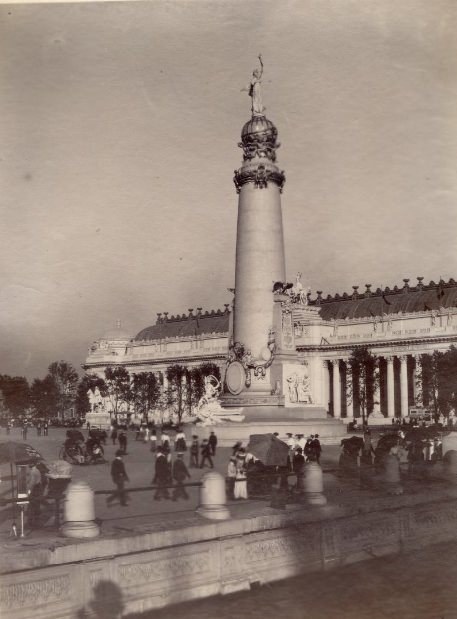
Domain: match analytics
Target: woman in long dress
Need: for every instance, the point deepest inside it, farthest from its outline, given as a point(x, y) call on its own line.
point(240, 490)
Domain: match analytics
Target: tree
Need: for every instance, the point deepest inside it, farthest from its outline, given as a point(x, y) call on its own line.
point(146, 390)
point(365, 380)
point(179, 394)
point(117, 388)
point(65, 378)
point(89, 381)
point(16, 392)
point(439, 381)
point(44, 396)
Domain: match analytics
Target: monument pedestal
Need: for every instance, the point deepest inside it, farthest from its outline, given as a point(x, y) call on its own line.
point(270, 419)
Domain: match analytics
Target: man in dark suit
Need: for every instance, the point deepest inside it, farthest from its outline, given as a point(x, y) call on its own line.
point(316, 448)
point(194, 450)
point(212, 443)
point(206, 453)
point(162, 476)
point(119, 477)
point(180, 474)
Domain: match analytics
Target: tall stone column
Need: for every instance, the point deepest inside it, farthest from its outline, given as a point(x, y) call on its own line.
point(349, 390)
point(260, 260)
point(336, 389)
point(404, 385)
point(418, 396)
point(390, 388)
point(326, 385)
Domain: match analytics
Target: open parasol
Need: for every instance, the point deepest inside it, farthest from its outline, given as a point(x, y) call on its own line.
point(269, 449)
point(13, 452)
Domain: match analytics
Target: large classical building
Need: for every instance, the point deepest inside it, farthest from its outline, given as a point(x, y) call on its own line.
point(397, 325)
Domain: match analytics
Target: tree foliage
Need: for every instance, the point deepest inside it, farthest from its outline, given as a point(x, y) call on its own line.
point(146, 390)
point(44, 396)
point(365, 380)
point(179, 392)
point(117, 388)
point(439, 381)
point(65, 378)
point(16, 391)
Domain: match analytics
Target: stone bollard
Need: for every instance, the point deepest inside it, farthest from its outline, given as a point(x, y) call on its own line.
point(314, 484)
point(213, 498)
point(391, 476)
point(79, 512)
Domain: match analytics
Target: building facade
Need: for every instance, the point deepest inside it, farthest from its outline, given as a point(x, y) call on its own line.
point(397, 326)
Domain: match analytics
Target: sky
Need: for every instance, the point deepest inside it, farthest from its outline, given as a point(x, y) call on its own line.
point(120, 125)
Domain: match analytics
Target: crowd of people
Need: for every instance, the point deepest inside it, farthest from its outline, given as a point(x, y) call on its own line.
point(413, 450)
point(169, 473)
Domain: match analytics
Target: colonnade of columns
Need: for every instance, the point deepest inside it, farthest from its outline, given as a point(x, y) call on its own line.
point(409, 392)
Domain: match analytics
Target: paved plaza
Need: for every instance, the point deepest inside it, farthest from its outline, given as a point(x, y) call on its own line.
point(415, 584)
point(139, 463)
point(144, 513)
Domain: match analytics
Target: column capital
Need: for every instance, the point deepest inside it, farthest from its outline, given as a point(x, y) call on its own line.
point(389, 359)
point(403, 358)
point(335, 362)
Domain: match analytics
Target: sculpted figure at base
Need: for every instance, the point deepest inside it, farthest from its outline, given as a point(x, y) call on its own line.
point(304, 388)
point(209, 411)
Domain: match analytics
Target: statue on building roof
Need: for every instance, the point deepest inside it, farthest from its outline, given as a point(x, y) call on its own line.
point(255, 91)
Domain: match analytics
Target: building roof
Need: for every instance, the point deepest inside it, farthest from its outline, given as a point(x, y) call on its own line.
point(186, 325)
point(406, 299)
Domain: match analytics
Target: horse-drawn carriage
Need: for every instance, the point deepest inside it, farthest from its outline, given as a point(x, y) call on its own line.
point(77, 450)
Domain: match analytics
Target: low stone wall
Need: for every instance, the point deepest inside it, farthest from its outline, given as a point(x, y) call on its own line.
point(151, 570)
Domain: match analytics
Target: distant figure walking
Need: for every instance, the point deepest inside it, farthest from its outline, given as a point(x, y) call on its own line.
point(161, 476)
point(180, 441)
point(316, 449)
point(153, 440)
point(119, 477)
point(165, 439)
point(194, 450)
point(122, 438)
point(114, 435)
point(180, 474)
point(213, 443)
point(206, 453)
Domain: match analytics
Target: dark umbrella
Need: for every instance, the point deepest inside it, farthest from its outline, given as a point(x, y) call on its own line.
point(352, 445)
point(269, 449)
point(75, 435)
